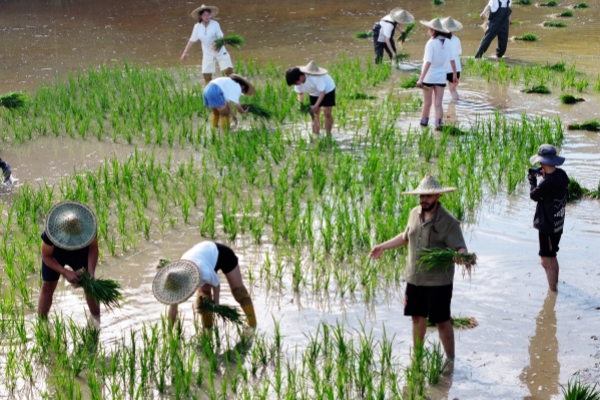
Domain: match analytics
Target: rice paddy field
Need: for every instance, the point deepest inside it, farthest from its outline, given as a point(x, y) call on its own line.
point(302, 212)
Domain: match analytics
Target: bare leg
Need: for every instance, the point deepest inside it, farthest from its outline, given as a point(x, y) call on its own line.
point(240, 294)
point(207, 78)
point(228, 71)
point(419, 329)
point(45, 299)
point(453, 91)
point(427, 101)
point(316, 122)
point(550, 264)
point(173, 314)
point(446, 332)
point(327, 111)
point(94, 307)
point(438, 98)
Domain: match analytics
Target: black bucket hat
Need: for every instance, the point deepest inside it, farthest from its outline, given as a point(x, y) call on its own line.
point(546, 154)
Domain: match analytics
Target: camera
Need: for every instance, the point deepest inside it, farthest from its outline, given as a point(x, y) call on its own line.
point(535, 171)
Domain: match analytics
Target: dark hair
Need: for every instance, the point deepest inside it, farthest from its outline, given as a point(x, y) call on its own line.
point(438, 33)
point(449, 35)
point(242, 84)
point(292, 75)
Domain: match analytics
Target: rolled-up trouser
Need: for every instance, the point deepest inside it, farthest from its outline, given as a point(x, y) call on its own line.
point(380, 47)
point(498, 25)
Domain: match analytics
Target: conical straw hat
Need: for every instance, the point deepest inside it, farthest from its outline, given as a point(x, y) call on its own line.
point(435, 24)
point(430, 185)
point(196, 13)
point(312, 69)
point(71, 225)
point(176, 282)
point(401, 16)
point(451, 24)
point(251, 89)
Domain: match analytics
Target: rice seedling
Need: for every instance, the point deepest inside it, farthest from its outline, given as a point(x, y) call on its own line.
point(226, 313)
point(233, 40)
point(258, 111)
point(566, 14)
point(401, 57)
point(444, 258)
point(528, 37)
point(555, 24)
point(103, 291)
point(575, 390)
point(14, 100)
point(363, 35)
point(541, 89)
point(474, 15)
point(550, 3)
point(410, 82)
point(516, 22)
point(569, 99)
point(438, 2)
point(581, 5)
point(574, 190)
point(523, 2)
point(407, 31)
point(362, 96)
point(591, 125)
point(558, 67)
point(594, 194)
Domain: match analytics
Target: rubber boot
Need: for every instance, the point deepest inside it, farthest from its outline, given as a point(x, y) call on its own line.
point(228, 71)
point(225, 122)
point(250, 315)
point(215, 119)
point(207, 78)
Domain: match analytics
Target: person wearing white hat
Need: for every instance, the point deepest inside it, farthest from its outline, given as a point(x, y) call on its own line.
point(438, 54)
point(452, 26)
point(219, 93)
point(551, 197)
point(69, 238)
point(383, 33)
point(428, 292)
point(498, 25)
point(320, 86)
point(207, 31)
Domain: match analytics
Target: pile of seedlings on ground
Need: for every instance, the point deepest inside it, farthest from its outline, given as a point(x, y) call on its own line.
point(541, 89)
point(592, 125)
point(527, 37)
point(570, 99)
point(555, 24)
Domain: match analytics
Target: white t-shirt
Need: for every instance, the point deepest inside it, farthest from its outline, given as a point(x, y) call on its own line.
point(315, 84)
point(456, 52)
point(231, 89)
point(438, 52)
point(387, 28)
point(204, 255)
point(207, 35)
point(495, 4)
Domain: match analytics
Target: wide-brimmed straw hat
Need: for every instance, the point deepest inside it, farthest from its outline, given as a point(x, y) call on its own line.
point(71, 225)
point(430, 185)
point(251, 89)
point(176, 282)
point(451, 24)
point(546, 154)
point(401, 16)
point(312, 69)
point(196, 13)
point(435, 24)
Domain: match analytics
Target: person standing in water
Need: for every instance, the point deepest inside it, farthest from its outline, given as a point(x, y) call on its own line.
point(207, 31)
point(551, 197)
point(6, 172)
point(383, 33)
point(452, 26)
point(219, 93)
point(498, 23)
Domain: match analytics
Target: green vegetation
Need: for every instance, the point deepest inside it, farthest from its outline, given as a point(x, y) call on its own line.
point(516, 22)
point(401, 57)
point(575, 191)
point(257, 110)
point(362, 96)
point(541, 89)
point(581, 5)
point(363, 35)
point(444, 258)
point(233, 40)
point(560, 66)
point(407, 31)
point(522, 2)
point(576, 390)
point(555, 24)
point(438, 2)
point(570, 99)
point(410, 82)
point(459, 322)
point(566, 13)
point(473, 15)
point(591, 125)
point(550, 3)
point(103, 291)
point(528, 37)
point(13, 100)
point(224, 312)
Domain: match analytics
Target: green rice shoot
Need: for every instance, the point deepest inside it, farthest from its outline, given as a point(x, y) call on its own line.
point(258, 111)
point(550, 3)
point(443, 258)
point(232, 40)
point(594, 194)
point(103, 291)
point(567, 13)
point(407, 31)
point(473, 15)
point(576, 390)
point(555, 24)
point(459, 322)
point(541, 89)
point(401, 57)
point(163, 262)
point(528, 37)
point(363, 35)
point(522, 2)
point(581, 5)
point(409, 83)
point(453, 130)
point(570, 99)
point(516, 22)
point(362, 96)
point(591, 125)
point(226, 313)
point(575, 191)
point(13, 100)
point(559, 66)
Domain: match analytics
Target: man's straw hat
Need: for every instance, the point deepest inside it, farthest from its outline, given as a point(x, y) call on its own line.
point(251, 89)
point(196, 13)
point(176, 282)
point(435, 24)
point(451, 24)
point(312, 69)
point(401, 16)
point(430, 185)
point(71, 225)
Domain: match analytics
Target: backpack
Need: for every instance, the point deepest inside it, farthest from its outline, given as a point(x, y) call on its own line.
point(377, 29)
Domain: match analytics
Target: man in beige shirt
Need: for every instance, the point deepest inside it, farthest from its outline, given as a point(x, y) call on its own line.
point(428, 293)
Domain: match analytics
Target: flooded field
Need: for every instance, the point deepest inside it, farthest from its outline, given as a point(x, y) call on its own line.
point(305, 210)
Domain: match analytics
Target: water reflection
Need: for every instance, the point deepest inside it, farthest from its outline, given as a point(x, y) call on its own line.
point(541, 375)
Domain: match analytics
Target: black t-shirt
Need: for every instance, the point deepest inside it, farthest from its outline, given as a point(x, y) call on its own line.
point(551, 197)
point(73, 258)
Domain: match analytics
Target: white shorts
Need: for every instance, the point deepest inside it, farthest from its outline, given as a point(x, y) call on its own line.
point(209, 63)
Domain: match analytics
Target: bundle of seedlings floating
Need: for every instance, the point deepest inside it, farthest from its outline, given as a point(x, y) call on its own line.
point(438, 2)
point(567, 13)
point(13, 100)
point(258, 111)
point(594, 194)
point(226, 313)
point(401, 57)
point(591, 125)
point(409, 83)
point(407, 31)
point(453, 130)
point(555, 24)
point(570, 99)
point(522, 2)
point(550, 3)
point(442, 258)
point(233, 40)
point(103, 291)
point(542, 89)
point(558, 67)
point(581, 5)
point(362, 96)
point(575, 191)
point(363, 35)
point(528, 37)
point(459, 322)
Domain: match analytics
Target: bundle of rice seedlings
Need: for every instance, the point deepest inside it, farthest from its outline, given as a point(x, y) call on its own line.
point(362, 96)
point(231, 40)
point(570, 99)
point(581, 5)
point(438, 2)
point(591, 125)
point(409, 83)
point(522, 2)
point(558, 67)
point(550, 3)
point(537, 89)
point(162, 263)
point(555, 24)
point(459, 322)
point(473, 15)
point(516, 22)
point(567, 13)
point(363, 35)
point(453, 130)
point(401, 57)
point(528, 37)
point(407, 31)
point(226, 313)
point(103, 291)
point(258, 111)
point(13, 100)
point(575, 191)
point(442, 258)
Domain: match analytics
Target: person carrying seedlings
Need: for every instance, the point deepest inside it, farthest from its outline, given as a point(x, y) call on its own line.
point(207, 31)
point(383, 33)
point(498, 23)
point(551, 197)
point(438, 54)
point(220, 92)
point(428, 291)
point(452, 26)
point(69, 238)
point(196, 271)
point(320, 86)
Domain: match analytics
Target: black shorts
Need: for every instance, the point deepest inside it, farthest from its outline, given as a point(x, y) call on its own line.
point(449, 76)
point(227, 260)
point(434, 84)
point(428, 301)
point(50, 275)
point(328, 100)
point(548, 245)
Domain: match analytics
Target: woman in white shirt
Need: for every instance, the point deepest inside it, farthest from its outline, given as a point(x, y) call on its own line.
point(452, 26)
point(498, 24)
point(220, 92)
point(438, 53)
point(207, 31)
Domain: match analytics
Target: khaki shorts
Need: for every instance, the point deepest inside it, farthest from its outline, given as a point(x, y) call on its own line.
point(209, 63)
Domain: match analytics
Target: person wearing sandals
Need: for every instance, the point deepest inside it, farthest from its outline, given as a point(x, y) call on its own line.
point(383, 33)
point(498, 25)
point(207, 31)
point(196, 271)
point(452, 26)
point(438, 54)
point(220, 92)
